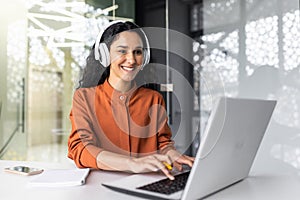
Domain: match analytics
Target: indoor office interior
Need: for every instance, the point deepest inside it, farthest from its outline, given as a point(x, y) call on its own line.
point(200, 50)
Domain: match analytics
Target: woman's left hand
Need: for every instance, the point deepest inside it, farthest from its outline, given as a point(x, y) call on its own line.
point(179, 159)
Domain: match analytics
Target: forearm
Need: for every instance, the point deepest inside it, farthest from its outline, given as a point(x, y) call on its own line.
point(116, 162)
point(112, 161)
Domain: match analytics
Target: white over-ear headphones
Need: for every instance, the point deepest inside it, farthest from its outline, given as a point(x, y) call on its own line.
point(102, 52)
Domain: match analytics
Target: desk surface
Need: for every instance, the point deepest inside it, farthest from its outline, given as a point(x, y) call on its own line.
point(257, 186)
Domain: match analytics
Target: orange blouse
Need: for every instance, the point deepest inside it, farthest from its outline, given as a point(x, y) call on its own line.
point(132, 123)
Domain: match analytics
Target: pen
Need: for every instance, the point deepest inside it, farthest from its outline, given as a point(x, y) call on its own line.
point(168, 166)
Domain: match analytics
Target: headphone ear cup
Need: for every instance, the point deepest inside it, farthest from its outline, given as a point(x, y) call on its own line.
point(104, 55)
point(146, 58)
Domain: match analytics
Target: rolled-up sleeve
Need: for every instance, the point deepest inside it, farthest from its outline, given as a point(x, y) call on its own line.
point(82, 142)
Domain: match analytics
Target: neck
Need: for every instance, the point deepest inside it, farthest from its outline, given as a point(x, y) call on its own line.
point(120, 85)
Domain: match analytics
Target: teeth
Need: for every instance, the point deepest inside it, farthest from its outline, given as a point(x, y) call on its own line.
point(128, 68)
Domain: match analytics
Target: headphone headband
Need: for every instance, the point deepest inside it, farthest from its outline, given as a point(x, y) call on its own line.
point(101, 50)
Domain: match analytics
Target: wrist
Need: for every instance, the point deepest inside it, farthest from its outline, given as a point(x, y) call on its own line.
point(166, 149)
point(170, 152)
point(173, 154)
point(130, 164)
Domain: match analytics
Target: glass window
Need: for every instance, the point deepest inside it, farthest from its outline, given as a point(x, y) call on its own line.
point(44, 45)
point(251, 49)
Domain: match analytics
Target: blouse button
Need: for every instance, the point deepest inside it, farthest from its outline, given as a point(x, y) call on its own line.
point(122, 97)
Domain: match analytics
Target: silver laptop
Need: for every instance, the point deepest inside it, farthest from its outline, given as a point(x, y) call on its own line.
point(228, 147)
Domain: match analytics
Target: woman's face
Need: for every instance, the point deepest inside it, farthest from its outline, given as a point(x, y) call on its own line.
point(126, 54)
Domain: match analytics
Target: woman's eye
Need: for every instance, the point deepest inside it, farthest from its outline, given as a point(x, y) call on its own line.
point(122, 51)
point(138, 52)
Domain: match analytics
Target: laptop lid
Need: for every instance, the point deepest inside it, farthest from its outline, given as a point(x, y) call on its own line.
point(228, 147)
point(233, 134)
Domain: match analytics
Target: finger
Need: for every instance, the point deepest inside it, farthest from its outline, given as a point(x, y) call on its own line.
point(190, 158)
point(177, 166)
point(163, 168)
point(165, 160)
point(185, 160)
point(167, 173)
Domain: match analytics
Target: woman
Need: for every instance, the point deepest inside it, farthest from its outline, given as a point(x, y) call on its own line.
point(115, 124)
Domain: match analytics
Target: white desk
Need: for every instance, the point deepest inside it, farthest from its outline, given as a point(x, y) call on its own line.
point(256, 187)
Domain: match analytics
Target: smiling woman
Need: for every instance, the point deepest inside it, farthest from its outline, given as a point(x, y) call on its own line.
point(117, 125)
point(104, 53)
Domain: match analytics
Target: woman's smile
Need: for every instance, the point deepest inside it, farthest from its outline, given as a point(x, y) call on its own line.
point(128, 69)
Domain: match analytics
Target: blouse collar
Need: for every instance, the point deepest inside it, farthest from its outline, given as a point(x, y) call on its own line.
point(111, 91)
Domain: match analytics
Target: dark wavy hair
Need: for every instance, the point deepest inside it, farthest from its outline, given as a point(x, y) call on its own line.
point(94, 73)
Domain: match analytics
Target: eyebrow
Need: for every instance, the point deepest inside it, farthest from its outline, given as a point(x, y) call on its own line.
point(126, 47)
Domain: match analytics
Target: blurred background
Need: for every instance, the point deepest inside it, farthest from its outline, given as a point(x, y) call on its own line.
point(236, 48)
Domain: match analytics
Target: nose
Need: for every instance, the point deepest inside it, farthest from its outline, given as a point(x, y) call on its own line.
point(130, 58)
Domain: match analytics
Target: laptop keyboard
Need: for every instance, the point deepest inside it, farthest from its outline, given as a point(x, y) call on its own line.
point(167, 186)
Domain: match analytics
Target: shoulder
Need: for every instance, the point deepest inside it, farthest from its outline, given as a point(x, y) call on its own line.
point(149, 94)
point(83, 93)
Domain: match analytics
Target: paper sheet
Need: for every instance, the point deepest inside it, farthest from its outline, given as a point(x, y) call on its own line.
point(60, 178)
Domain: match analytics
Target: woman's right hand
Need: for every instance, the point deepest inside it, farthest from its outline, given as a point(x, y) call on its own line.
point(151, 163)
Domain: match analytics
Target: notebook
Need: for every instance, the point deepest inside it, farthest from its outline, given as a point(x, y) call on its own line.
point(60, 178)
point(227, 150)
